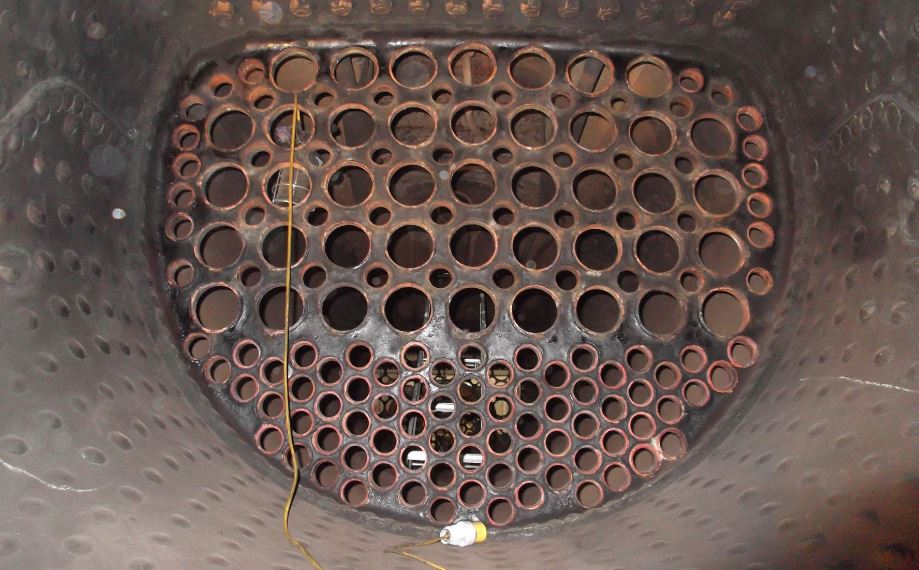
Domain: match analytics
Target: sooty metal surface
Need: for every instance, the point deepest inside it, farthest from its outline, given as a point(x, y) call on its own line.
point(521, 276)
point(112, 457)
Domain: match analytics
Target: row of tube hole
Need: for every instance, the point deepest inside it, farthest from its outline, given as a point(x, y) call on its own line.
point(472, 123)
point(582, 358)
point(473, 183)
point(555, 409)
point(472, 309)
point(534, 246)
point(760, 236)
point(474, 64)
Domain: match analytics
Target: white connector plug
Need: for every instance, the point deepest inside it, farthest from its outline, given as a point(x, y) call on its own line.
point(463, 533)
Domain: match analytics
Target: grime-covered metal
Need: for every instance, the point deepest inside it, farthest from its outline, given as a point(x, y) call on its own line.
point(522, 275)
point(113, 456)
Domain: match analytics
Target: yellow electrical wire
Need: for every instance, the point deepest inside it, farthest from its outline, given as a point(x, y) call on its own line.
point(294, 462)
point(402, 550)
point(419, 559)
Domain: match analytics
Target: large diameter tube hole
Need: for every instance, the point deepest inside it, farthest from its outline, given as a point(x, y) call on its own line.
point(350, 186)
point(411, 185)
point(412, 126)
point(472, 64)
point(473, 245)
point(533, 186)
point(274, 247)
point(590, 73)
point(226, 187)
point(352, 127)
point(598, 311)
point(271, 308)
point(295, 71)
point(532, 69)
point(472, 184)
point(655, 192)
point(711, 137)
point(407, 309)
point(658, 251)
point(534, 310)
point(532, 128)
point(355, 69)
point(344, 308)
point(414, 68)
point(472, 310)
point(221, 247)
point(718, 193)
point(649, 77)
point(231, 130)
point(535, 248)
point(661, 313)
point(347, 246)
point(280, 128)
point(410, 246)
point(594, 190)
point(652, 135)
point(596, 249)
point(720, 253)
point(724, 313)
point(218, 308)
point(473, 124)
